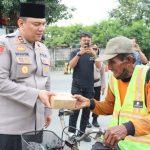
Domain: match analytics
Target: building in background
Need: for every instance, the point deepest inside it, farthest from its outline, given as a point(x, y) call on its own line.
point(60, 56)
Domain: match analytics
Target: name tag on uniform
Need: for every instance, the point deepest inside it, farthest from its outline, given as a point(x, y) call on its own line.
point(138, 104)
point(23, 60)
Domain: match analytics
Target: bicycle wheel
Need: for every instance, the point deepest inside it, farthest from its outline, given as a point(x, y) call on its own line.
point(41, 140)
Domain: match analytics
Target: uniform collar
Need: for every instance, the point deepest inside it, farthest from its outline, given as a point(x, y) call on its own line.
point(22, 40)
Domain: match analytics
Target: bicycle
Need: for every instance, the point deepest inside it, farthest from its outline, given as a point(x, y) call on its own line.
point(48, 140)
point(73, 141)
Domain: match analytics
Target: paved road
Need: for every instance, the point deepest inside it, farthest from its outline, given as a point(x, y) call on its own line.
point(62, 83)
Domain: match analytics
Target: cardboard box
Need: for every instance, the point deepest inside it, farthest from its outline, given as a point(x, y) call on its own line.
point(63, 100)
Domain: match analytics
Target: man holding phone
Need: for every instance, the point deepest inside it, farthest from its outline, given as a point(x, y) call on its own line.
point(82, 61)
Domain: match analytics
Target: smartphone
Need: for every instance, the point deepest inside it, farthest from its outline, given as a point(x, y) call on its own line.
point(87, 45)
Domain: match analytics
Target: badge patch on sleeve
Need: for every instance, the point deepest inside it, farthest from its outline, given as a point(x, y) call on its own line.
point(2, 47)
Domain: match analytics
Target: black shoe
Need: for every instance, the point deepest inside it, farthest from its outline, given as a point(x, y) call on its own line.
point(95, 124)
point(89, 125)
point(87, 139)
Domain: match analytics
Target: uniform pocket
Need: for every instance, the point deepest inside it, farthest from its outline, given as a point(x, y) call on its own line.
point(23, 69)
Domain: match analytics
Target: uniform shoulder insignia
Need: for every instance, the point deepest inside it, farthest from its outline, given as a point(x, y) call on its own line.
point(20, 38)
point(39, 43)
point(2, 47)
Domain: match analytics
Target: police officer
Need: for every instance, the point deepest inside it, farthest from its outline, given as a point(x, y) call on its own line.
point(24, 78)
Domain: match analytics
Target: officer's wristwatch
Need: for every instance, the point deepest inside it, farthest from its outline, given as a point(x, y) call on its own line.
point(78, 54)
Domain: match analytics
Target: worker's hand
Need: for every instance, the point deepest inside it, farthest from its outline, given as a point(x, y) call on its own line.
point(45, 97)
point(114, 135)
point(81, 101)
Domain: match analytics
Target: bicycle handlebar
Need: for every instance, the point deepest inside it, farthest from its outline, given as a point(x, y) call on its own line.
point(63, 112)
point(99, 133)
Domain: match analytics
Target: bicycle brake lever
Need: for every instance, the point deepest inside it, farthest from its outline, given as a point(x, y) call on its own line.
point(99, 134)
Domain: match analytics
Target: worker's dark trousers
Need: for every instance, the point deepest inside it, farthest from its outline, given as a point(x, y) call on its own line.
point(10, 142)
point(86, 92)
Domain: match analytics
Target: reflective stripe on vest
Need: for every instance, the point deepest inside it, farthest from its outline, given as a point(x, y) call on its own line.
point(133, 106)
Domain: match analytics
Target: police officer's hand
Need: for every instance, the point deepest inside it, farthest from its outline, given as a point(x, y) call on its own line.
point(81, 101)
point(114, 134)
point(45, 96)
point(47, 116)
point(48, 119)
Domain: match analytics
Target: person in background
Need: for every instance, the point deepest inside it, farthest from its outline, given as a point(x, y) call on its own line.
point(127, 100)
point(99, 83)
point(24, 78)
point(148, 61)
point(138, 54)
point(82, 61)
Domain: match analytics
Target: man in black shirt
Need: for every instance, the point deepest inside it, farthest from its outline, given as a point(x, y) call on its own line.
point(82, 61)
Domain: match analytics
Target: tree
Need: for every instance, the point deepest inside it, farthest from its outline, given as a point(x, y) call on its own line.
point(132, 10)
point(101, 33)
point(54, 10)
point(58, 36)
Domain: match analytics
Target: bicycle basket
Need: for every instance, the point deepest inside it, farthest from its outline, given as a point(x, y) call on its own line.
point(41, 140)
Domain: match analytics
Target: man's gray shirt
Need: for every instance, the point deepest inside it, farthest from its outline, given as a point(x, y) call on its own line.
point(24, 70)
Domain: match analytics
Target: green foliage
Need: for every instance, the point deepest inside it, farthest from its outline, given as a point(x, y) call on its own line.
point(58, 36)
point(141, 32)
point(54, 10)
point(131, 18)
point(132, 10)
point(101, 33)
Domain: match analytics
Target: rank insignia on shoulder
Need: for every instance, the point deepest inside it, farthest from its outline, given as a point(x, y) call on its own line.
point(20, 39)
point(25, 69)
point(138, 104)
point(2, 47)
